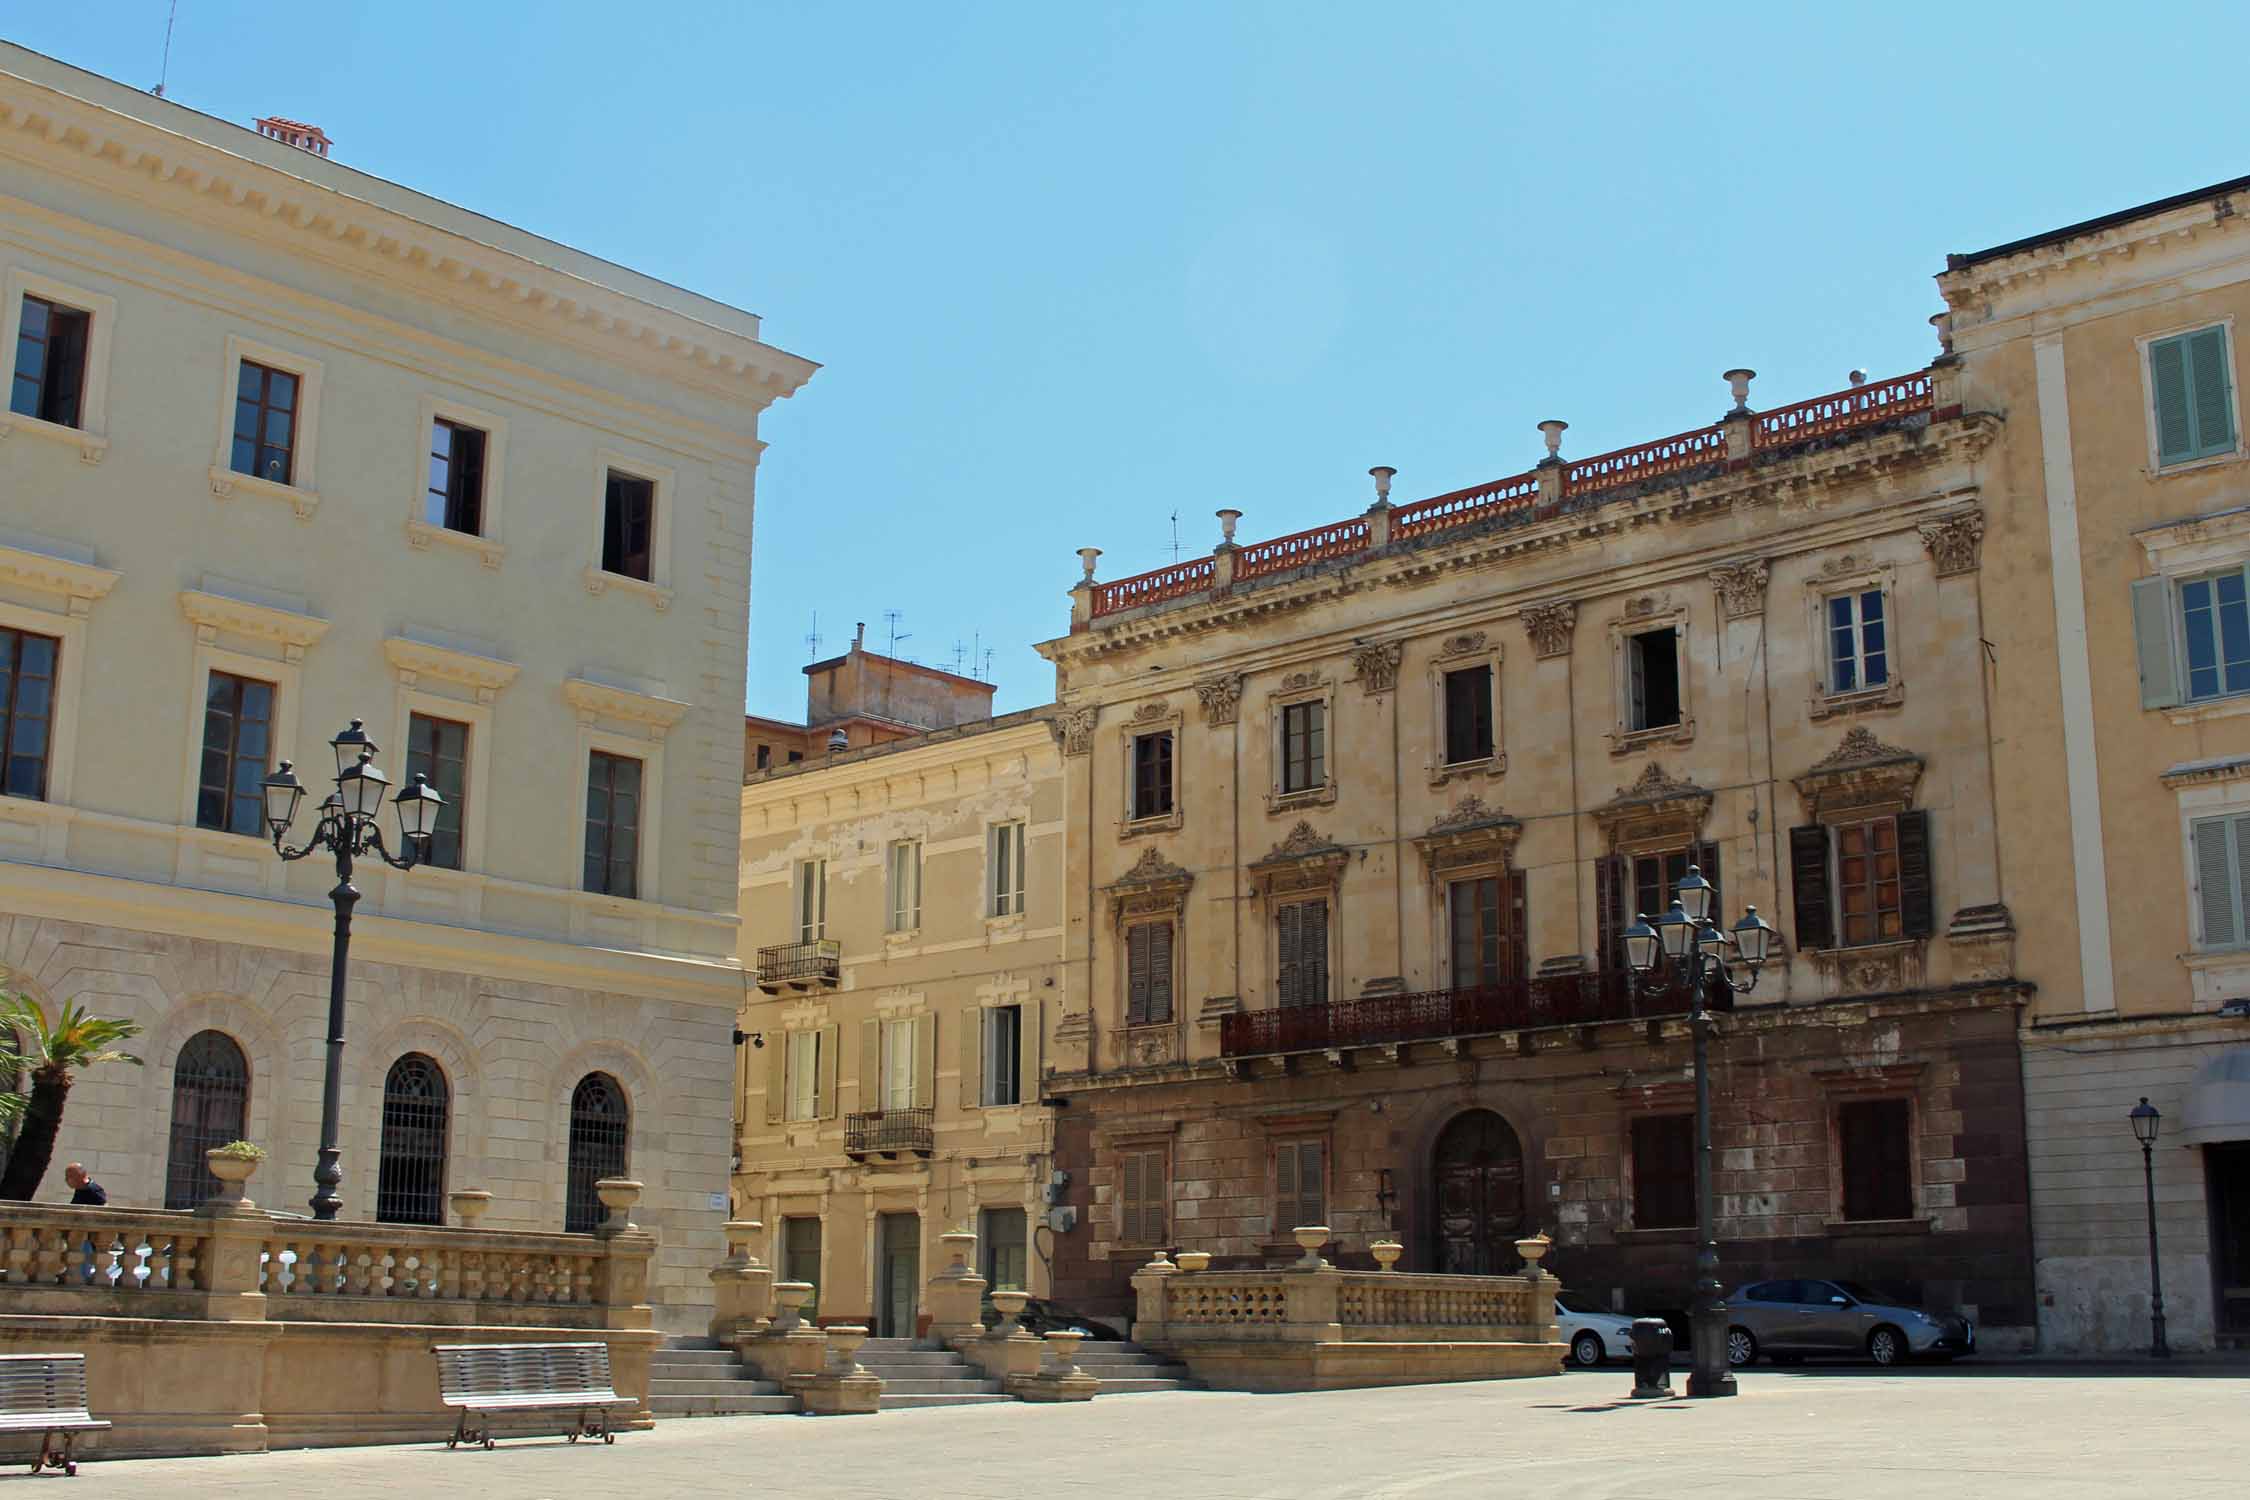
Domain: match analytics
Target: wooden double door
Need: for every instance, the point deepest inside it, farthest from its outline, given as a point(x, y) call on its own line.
point(1478, 1188)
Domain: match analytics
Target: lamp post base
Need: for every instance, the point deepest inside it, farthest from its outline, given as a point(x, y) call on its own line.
point(1702, 1383)
point(1710, 1375)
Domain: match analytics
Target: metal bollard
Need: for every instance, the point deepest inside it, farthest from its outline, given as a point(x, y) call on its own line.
point(1652, 1359)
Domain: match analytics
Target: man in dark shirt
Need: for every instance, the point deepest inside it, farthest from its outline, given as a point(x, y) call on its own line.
point(83, 1189)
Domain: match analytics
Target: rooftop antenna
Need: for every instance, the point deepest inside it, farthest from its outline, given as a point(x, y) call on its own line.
point(812, 639)
point(164, 72)
point(960, 656)
point(891, 617)
point(1175, 535)
point(986, 674)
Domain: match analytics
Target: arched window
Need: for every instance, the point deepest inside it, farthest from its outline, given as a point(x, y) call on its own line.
point(600, 1122)
point(210, 1097)
point(410, 1181)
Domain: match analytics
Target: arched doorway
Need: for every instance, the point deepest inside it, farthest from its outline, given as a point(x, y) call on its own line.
point(600, 1122)
point(210, 1095)
point(410, 1173)
point(1477, 1174)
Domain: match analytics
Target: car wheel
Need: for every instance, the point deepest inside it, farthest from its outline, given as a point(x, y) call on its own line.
point(1586, 1350)
point(1886, 1346)
point(1742, 1347)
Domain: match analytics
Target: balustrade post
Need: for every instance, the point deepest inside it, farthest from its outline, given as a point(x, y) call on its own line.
point(741, 1285)
point(954, 1297)
point(1550, 468)
point(232, 1256)
point(1739, 419)
point(1149, 1299)
point(1379, 514)
point(1082, 592)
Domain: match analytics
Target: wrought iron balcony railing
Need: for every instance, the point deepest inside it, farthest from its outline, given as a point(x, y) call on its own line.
point(889, 1132)
point(1434, 1015)
point(801, 966)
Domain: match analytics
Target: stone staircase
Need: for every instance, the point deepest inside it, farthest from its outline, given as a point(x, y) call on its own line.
point(1125, 1369)
point(916, 1375)
point(697, 1378)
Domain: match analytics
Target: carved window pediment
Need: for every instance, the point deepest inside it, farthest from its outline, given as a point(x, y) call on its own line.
point(1154, 887)
point(1658, 811)
point(1471, 834)
point(1860, 777)
point(1304, 861)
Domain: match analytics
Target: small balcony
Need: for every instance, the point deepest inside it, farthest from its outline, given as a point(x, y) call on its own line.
point(890, 1132)
point(817, 965)
point(1441, 1015)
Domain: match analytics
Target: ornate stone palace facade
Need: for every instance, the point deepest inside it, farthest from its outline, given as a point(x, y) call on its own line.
point(1357, 816)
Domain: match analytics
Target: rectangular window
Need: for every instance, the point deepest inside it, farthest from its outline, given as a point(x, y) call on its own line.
point(629, 526)
point(1858, 642)
point(898, 1064)
point(237, 739)
point(265, 423)
point(1479, 941)
point(1653, 659)
point(1304, 746)
point(2194, 396)
point(1152, 775)
point(765, 756)
point(2215, 629)
point(2222, 879)
point(1148, 973)
point(796, 756)
point(1006, 861)
point(1664, 1172)
point(1873, 1137)
point(1867, 881)
point(456, 485)
point(27, 711)
point(1468, 715)
point(613, 824)
point(800, 1256)
point(1003, 1054)
point(1301, 930)
point(1003, 1245)
point(1300, 1199)
point(812, 900)
point(439, 750)
point(50, 369)
point(804, 1075)
point(1144, 1197)
point(905, 881)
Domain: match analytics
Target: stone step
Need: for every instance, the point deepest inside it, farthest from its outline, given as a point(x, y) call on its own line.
point(693, 1359)
point(890, 1402)
point(963, 1387)
point(1138, 1387)
point(690, 1341)
point(661, 1386)
point(721, 1406)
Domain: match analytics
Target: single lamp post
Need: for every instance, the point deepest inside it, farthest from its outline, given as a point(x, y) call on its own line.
point(2146, 1121)
point(350, 825)
point(1684, 949)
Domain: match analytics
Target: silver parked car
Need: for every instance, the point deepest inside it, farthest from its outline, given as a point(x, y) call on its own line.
point(1791, 1320)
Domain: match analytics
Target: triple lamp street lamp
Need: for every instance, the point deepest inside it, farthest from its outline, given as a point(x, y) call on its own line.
point(2146, 1121)
point(350, 825)
point(1686, 947)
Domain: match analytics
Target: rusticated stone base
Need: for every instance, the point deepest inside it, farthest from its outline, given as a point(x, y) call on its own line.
point(1347, 1364)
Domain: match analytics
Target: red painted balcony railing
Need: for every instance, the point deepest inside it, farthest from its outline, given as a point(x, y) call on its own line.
point(1465, 507)
point(1153, 588)
point(1317, 545)
point(1861, 406)
point(1686, 450)
point(1433, 1015)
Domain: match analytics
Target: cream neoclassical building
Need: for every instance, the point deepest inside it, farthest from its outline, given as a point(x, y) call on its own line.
point(902, 907)
point(288, 445)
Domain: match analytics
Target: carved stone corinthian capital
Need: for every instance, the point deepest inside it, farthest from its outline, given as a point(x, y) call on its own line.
point(1551, 627)
point(1954, 542)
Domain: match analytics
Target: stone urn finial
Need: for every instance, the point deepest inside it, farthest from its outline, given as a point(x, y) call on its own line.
point(1194, 1260)
point(1386, 1253)
point(843, 1348)
point(1227, 519)
point(1062, 1352)
point(742, 1237)
point(791, 1298)
point(1383, 474)
point(959, 1244)
point(1531, 1249)
point(469, 1205)
point(1552, 430)
point(232, 1170)
point(1309, 1238)
point(1738, 385)
point(618, 1195)
point(1087, 557)
point(1159, 1265)
point(1009, 1305)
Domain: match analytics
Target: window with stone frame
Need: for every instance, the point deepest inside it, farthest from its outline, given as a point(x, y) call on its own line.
point(1144, 1195)
point(1300, 1183)
point(1644, 882)
point(1304, 745)
point(1301, 953)
point(1152, 775)
point(1148, 973)
point(1652, 690)
point(1484, 925)
point(1468, 714)
point(1861, 873)
point(1875, 1149)
point(1663, 1148)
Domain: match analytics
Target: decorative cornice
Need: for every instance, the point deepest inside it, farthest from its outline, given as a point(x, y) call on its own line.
point(1861, 776)
point(599, 700)
point(78, 582)
point(212, 613)
point(1657, 809)
point(2204, 772)
point(1471, 834)
point(1303, 861)
point(1297, 682)
point(1221, 698)
point(1954, 542)
point(1376, 666)
point(1859, 747)
point(1073, 728)
point(1470, 812)
point(483, 675)
point(1149, 713)
point(1741, 588)
point(1551, 627)
point(1302, 843)
point(1153, 887)
point(1467, 644)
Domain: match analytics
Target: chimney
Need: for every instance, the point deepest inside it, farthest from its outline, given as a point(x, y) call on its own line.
point(859, 636)
point(295, 133)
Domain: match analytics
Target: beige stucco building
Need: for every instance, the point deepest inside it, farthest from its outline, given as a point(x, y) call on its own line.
point(902, 908)
point(2115, 612)
point(289, 445)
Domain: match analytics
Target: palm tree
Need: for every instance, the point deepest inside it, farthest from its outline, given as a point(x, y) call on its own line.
point(76, 1039)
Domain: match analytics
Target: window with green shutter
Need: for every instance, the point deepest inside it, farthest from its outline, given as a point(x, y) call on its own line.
point(2194, 396)
point(2221, 848)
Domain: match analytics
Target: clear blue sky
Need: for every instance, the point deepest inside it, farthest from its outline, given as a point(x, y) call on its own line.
point(1072, 267)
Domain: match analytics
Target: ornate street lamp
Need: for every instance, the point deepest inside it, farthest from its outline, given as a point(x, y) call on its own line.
point(350, 825)
point(1685, 949)
point(2146, 1122)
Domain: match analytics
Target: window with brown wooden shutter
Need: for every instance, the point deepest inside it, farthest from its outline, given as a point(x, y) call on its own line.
point(1148, 973)
point(1664, 1172)
point(1874, 1137)
point(1302, 944)
point(1300, 1197)
point(1143, 1197)
point(1610, 916)
point(1867, 881)
point(1808, 874)
point(1917, 896)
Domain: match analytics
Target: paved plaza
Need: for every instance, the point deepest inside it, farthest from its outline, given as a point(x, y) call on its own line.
point(1986, 1434)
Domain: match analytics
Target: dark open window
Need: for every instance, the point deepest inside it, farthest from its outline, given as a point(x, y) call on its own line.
point(237, 738)
point(1003, 1055)
point(410, 1175)
point(1304, 746)
point(1301, 931)
point(800, 1255)
point(1664, 1172)
point(1152, 775)
point(1148, 973)
point(613, 824)
point(601, 1121)
point(210, 1096)
point(265, 423)
point(50, 368)
point(1468, 715)
point(629, 526)
point(1003, 1247)
point(27, 711)
point(439, 750)
point(1878, 1167)
point(456, 488)
point(1653, 659)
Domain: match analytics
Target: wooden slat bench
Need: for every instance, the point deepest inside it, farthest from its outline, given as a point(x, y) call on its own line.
point(46, 1394)
point(484, 1379)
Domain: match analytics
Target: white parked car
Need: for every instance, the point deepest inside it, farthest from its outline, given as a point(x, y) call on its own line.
point(1593, 1336)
